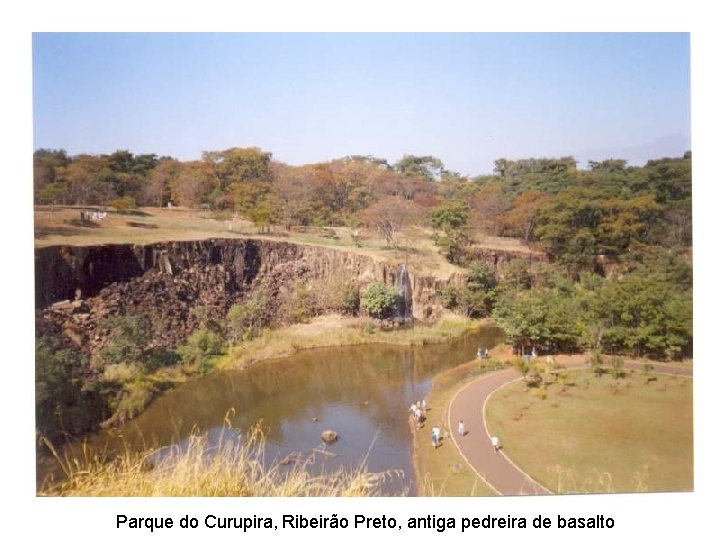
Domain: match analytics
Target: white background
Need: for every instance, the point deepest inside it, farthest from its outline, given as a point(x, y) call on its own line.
point(22, 513)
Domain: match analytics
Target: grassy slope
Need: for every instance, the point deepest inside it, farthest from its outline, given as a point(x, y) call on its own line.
point(63, 227)
point(600, 435)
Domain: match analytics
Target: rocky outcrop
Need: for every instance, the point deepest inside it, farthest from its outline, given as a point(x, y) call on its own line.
point(77, 287)
point(498, 259)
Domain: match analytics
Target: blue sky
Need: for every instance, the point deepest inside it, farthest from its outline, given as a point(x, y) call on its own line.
point(465, 98)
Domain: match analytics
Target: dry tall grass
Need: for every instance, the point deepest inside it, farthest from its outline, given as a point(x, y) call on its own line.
point(277, 342)
point(232, 467)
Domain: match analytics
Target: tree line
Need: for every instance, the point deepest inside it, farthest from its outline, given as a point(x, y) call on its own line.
point(618, 237)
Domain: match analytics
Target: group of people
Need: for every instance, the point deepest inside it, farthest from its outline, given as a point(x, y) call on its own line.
point(417, 410)
point(92, 214)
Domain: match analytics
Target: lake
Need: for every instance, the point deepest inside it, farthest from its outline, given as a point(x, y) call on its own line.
point(362, 392)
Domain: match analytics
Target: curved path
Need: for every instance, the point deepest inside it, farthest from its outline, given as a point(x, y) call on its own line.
point(498, 471)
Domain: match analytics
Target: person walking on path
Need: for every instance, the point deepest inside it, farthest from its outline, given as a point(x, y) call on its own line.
point(461, 428)
point(435, 436)
point(496, 443)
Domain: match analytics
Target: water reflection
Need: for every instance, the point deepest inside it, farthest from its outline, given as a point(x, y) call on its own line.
point(361, 392)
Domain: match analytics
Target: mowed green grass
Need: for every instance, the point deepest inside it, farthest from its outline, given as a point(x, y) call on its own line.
point(600, 434)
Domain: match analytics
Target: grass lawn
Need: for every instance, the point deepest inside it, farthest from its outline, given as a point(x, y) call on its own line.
point(599, 434)
point(443, 471)
point(61, 225)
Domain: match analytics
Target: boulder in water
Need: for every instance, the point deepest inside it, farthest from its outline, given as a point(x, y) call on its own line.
point(329, 436)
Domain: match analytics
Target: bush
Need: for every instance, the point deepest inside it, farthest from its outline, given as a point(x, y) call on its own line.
point(201, 344)
point(481, 277)
point(617, 367)
point(476, 298)
point(123, 203)
point(121, 373)
point(450, 297)
point(302, 305)
point(379, 300)
point(522, 366)
point(132, 399)
point(246, 320)
point(338, 293)
point(367, 327)
point(159, 358)
point(63, 403)
point(596, 362)
point(129, 336)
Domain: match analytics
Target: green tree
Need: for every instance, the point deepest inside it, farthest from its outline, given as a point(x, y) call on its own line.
point(47, 167)
point(246, 319)
point(428, 167)
point(201, 345)
point(232, 167)
point(53, 194)
point(128, 340)
point(450, 216)
point(379, 300)
point(64, 403)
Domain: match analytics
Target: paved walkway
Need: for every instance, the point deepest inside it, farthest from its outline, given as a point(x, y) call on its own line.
point(496, 468)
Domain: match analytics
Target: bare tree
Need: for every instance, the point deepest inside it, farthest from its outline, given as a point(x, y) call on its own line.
point(390, 216)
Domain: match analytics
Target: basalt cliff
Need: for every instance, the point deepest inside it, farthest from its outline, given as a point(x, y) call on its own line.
point(78, 286)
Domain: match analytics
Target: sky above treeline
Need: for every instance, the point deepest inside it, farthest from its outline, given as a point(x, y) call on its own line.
point(467, 99)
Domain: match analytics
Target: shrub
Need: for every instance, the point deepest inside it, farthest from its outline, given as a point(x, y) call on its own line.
point(246, 320)
point(132, 399)
point(367, 327)
point(596, 362)
point(533, 379)
point(120, 373)
point(522, 366)
point(122, 204)
point(129, 336)
point(481, 277)
point(302, 304)
point(379, 300)
point(617, 367)
point(159, 358)
point(201, 344)
point(450, 297)
point(338, 293)
point(63, 403)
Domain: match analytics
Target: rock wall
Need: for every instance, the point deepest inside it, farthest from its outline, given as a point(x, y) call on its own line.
point(77, 287)
point(499, 259)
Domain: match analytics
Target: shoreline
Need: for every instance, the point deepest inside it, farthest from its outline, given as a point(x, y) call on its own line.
point(458, 479)
point(444, 387)
point(321, 332)
point(342, 331)
point(446, 329)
